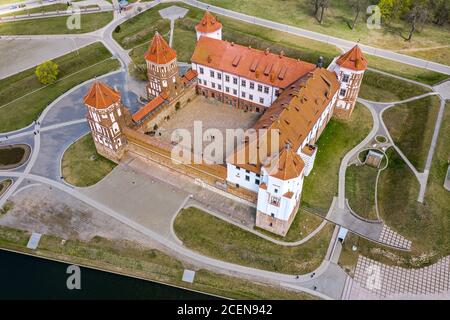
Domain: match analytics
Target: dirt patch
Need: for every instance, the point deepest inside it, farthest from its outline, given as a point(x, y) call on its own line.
point(49, 211)
point(14, 156)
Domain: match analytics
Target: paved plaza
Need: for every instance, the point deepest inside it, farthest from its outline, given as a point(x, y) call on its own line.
point(374, 280)
point(213, 115)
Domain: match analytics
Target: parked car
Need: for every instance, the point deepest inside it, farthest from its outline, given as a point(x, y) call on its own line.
point(13, 7)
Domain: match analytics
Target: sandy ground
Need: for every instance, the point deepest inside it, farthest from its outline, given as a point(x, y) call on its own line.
point(49, 211)
point(16, 55)
point(213, 115)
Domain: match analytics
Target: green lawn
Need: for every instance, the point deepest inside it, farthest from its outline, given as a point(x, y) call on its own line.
point(137, 260)
point(82, 166)
point(57, 25)
point(18, 114)
point(411, 125)
point(382, 88)
point(405, 70)
point(337, 139)
point(304, 223)
point(299, 13)
point(360, 190)
point(216, 238)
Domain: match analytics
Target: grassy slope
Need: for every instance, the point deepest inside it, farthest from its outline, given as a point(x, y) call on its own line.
point(338, 138)
point(89, 22)
point(216, 238)
point(360, 190)
point(382, 88)
point(22, 112)
point(137, 260)
point(411, 125)
point(299, 13)
point(78, 166)
point(427, 224)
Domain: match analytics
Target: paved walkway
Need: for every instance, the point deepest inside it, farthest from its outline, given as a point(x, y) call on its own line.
point(173, 13)
point(374, 280)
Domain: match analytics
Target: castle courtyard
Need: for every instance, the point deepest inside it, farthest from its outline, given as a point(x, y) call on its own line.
point(212, 114)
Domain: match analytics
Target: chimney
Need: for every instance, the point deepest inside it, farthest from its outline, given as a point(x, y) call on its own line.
point(320, 62)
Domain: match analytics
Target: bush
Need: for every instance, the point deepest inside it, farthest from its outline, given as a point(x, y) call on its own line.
point(47, 72)
point(177, 106)
point(117, 29)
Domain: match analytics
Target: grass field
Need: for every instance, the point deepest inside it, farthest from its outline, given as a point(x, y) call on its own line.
point(4, 184)
point(216, 238)
point(136, 260)
point(382, 88)
point(82, 166)
point(57, 25)
point(411, 125)
point(19, 113)
point(360, 190)
point(299, 13)
point(337, 139)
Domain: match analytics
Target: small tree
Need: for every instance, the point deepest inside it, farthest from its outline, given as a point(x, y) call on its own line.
point(47, 72)
point(323, 4)
point(358, 6)
point(390, 9)
point(417, 16)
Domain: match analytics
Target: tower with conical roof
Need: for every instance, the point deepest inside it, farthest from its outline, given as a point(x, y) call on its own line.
point(349, 68)
point(209, 26)
point(280, 190)
point(162, 69)
point(106, 118)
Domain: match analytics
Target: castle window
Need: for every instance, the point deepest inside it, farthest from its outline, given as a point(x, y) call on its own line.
point(199, 81)
point(213, 85)
point(273, 216)
point(211, 73)
point(260, 87)
point(261, 100)
point(345, 78)
point(250, 96)
point(247, 178)
point(227, 78)
point(201, 70)
point(219, 87)
point(227, 89)
point(257, 182)
point(342, 92)
point(219, 76)
point(252, 85)
point(243, 83)
point(275, 201)
point(266, 89)
point(243, 94)
point(234, 91)
point(277, 92)
point(204, 82)
point(275, 190)
point(235, 80)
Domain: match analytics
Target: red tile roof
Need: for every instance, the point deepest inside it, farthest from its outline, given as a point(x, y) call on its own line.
point(149, 107)
point(262, 66)
point(208, 24)
point(353, 59)
point(159, 51)
point(101, 96)
point(285, 165)
point(191, 74)
point(293, 115)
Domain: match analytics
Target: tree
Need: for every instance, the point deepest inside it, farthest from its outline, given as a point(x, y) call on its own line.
point(358, 6)
point(441, 11)
point(390, 9)
point(323, 4)
point(47, 72)
point(417, 15)
point(316, 4)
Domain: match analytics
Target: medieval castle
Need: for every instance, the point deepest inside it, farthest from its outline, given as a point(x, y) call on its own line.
point(294, 97)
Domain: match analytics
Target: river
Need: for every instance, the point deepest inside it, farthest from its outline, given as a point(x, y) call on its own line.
point(27, 277)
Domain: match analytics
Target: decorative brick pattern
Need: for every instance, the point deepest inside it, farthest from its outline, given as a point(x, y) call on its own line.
point(392, 238)
point(375, 280)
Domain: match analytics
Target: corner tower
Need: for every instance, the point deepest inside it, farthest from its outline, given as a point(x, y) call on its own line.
point(162, 69)
point(106, 118)
point(349, 69)
point(209, 26)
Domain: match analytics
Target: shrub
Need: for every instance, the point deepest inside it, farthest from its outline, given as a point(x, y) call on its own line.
point(47, 72)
